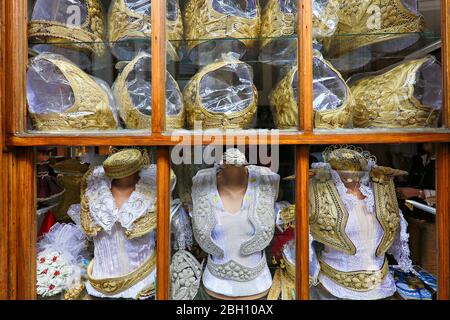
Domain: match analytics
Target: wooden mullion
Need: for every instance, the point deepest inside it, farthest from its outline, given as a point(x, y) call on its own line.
point(302, 222)
point(443, 220)
point(445, 34)
point(305, 78)
point(163, 223)
point(158, 66)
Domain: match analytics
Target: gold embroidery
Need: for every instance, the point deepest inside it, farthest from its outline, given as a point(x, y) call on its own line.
point(276, 24)
point(328, 213)
point(354, 17)
point(132, 117)
point(387, 100)
point(88, 37)
point(124, 163)
point(125, 23)
point(74, 292)
point(203, 23)
point(288, 215)
point(386, 205)
point(283, 284)
point(113, 286)
point(91, 109)
point(286, 105)
point(196, 112)
point(360, 281)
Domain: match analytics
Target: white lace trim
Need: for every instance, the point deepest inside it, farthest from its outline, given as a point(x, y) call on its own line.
point(181, 227)
point(102, 204)
point(349, 199)
point(400, 247)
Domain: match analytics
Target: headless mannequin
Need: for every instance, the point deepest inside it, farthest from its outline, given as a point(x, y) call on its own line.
point(232, 182)
point(123, 188)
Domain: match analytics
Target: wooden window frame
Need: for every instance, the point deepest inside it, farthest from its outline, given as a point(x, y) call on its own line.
point(17, 155)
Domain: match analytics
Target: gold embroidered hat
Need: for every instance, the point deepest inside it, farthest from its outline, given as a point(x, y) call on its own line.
point(133, 93)
point(131, 20)
point(76, 24)
point(235, 22)
point(395, 29)
point(125, 163)
point(348, 158)
point(333, 101)
point(406, 96)
point(62, 97)
point(221, 95)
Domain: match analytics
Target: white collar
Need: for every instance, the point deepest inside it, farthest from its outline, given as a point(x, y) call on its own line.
point(103, 207)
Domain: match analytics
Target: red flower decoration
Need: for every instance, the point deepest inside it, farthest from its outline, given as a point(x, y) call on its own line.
point(45, 271)
point(42, 260)
point(51, 287)
point(54, 258)
point(57, 273)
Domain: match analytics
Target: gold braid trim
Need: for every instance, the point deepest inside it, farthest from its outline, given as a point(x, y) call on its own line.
point(211, 120)
point(203, 23)
point(328, 213)
point(276, 24)
point(113, 286)
point(386, 205)
point(286, 106)
point(387, 100)
point(354, 17)
point(132, 117)
point(74, 293)
point(283, 284)
point(91, 109)
point(88, 37)
point(361, 281)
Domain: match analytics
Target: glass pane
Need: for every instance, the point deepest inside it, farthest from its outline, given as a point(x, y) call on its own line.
point(233, 237)
point(235, 64)
point(373, 222)
point(89, 67)
point(96, 223)
point(379, 67)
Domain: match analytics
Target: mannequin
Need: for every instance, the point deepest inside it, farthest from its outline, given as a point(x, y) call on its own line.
point(118, 212)
point(355, 216)
point(233, 221)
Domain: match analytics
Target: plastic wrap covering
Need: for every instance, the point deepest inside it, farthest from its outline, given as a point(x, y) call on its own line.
point(71, 24)
point(133, 93)
point(325, 18)
point(130, 28)
point(214, 27)
point(279, 32)
point(61, 97)
point(372, 29)
point(408, 95)
point(222, 95)
point(332, 101)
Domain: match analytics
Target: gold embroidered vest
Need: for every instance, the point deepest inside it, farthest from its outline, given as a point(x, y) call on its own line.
point(132, 116)
point(88, 37)
point(387, 100)
point(212, 120)
point(285, 105)
point(125, 23)
point(356, 18)
point(329, 216)
point(91, 109)
point(203, 23)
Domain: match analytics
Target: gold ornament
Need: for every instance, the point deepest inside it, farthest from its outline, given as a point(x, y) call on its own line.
point(91, 109)
point(359, 24)
point(276, 23)
point(87, 37)
point(387, 100)
point(203, 23)
point(133, 118)
point(124, 163)
point(125, 23)
point(196, 112)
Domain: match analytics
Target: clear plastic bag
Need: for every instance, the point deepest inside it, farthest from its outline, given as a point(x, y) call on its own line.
point(62, 97)
point(406, 95)
point(215, 27)
point(224, 93)
point(133, 89)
